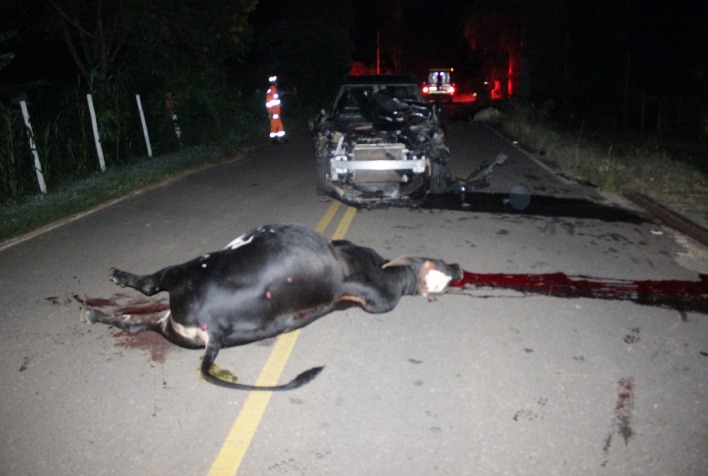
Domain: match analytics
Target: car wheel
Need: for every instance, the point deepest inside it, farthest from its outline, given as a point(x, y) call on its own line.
point(321, 172)
point(439, 173)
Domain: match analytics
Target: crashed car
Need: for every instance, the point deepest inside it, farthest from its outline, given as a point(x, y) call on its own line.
point(380, 143)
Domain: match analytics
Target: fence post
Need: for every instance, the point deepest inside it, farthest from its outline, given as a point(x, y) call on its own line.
point(33, 148)
point(142, 120)
point(99, 149)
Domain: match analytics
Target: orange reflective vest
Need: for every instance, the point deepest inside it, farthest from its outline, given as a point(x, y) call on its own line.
point(273, 105)
point(272, 101)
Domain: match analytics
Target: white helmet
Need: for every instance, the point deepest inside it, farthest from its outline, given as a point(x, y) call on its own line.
point(273, 79)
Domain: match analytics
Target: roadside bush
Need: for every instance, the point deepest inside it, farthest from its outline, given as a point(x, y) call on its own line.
point(672, 170)
point(15, 167)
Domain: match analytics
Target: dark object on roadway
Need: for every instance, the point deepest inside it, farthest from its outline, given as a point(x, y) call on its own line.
point(380, 143)
point(274, 279)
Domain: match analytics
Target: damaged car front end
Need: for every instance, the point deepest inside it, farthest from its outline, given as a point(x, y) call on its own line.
point(380, 144)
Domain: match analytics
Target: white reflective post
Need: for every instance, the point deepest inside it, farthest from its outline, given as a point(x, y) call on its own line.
point(99, 149)
point(145, 129)
point(33, 148)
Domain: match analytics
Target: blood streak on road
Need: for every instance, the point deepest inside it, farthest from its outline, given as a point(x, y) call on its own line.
point(683, 296)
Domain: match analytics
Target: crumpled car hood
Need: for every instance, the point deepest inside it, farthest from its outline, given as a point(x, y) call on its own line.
point(387, 113)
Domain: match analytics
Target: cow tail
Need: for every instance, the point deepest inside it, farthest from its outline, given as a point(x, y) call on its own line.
point(298, 381)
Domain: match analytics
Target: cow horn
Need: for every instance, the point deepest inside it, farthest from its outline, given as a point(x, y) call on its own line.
point(400, 261)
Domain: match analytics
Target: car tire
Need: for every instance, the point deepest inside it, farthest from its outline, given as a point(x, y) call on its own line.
point(321, 175)
point(439, 173)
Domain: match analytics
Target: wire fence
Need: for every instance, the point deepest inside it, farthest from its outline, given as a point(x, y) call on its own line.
point(48, 137)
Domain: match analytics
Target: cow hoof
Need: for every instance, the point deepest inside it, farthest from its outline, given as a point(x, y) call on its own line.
point(119, 277)
point(88, 315)
point(222, 374)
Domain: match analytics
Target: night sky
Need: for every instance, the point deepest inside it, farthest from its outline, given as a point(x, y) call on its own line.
point(663, 42)
point(589, 44)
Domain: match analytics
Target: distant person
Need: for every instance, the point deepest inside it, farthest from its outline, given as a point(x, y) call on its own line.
point(277, 131)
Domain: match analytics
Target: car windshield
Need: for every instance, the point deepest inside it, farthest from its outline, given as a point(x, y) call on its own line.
point(345, 98)
point(439, 76)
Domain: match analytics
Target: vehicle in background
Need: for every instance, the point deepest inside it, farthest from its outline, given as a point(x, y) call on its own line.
point(439, 86)
point(380, 143)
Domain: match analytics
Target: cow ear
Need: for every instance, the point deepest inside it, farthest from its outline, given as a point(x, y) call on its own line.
point(400, 261)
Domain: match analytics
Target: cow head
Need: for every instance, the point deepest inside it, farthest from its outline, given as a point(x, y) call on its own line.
point(433, 274)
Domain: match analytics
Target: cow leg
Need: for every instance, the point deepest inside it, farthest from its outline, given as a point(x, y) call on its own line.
point(379, 299)
point(128, 322)
point(160, 323)
point(148, 284)
point(212, 372)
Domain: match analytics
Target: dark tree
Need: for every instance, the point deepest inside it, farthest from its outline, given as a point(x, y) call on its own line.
point(307, 45)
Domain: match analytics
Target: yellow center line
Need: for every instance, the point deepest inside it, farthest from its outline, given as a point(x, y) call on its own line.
point(344, 224)
point(329, 214)
point(232, 452)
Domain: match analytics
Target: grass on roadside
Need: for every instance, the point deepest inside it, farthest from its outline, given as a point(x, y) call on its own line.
point(19, 218)
point(675, 174)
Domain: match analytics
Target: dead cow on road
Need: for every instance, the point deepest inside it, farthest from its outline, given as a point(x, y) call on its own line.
point(274, 279)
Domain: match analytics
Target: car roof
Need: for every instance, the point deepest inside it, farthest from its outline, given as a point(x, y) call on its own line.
point(379, 79)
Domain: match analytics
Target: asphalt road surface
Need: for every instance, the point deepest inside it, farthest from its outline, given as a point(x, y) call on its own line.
point(481, 381)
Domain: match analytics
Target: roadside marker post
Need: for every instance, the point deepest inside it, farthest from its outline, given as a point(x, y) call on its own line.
point(33, 148)
point(97, 139)
point(142, 121)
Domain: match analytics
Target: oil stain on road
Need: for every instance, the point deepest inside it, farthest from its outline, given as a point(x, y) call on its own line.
point(536, 205)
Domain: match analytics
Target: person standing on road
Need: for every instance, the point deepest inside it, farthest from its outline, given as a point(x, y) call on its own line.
point(277, 131)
